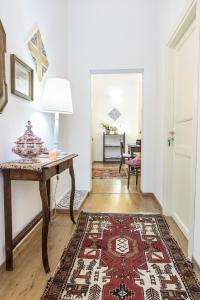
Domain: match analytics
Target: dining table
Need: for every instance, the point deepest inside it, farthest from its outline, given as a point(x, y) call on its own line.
point(133, 148)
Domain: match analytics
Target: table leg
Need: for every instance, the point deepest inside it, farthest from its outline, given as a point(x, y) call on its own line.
point(132, 153)
point(71, 172)
point(45, 226)
point(8, 220)
point(129, 175)
point(49, 196)
point(136, 176)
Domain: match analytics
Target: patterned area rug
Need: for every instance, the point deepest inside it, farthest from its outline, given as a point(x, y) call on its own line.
point(106, 173)
point(79, 199)
point(123, 257)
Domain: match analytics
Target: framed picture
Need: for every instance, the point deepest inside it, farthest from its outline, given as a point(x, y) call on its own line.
point(21, 78)
point(38, 53)
point(3, 85)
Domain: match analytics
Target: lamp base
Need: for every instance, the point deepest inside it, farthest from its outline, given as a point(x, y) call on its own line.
point(56, 137)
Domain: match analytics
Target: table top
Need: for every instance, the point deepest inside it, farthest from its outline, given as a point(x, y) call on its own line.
point(43, 162)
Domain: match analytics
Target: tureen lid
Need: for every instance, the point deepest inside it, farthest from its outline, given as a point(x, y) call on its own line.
point(29, 137)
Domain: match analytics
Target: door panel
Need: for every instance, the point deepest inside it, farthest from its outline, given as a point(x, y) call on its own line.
point(185, 75)
point(182, 189)
point(183, 133)
point(185, 85)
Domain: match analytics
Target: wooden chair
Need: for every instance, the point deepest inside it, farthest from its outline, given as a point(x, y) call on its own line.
point(123, 156)
point(134, 166)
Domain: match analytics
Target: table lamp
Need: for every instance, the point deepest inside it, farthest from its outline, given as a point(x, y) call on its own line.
point(57, 99)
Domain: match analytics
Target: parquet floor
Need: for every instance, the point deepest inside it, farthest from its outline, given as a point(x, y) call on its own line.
point(28, 279)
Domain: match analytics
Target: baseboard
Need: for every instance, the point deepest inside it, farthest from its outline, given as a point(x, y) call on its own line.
point(181, 225)
point(25, 242)
point(145, 195)
point(196, 265)
point(151, 195)
point(158, 202)
point(177, 220)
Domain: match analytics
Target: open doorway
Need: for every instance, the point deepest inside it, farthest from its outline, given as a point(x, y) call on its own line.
point(117, 103)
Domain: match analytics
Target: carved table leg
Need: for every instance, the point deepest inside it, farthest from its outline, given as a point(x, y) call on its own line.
point(45, 214)
point(71, 172)
point(49, 196)
point(8, 220)
point(136, 176)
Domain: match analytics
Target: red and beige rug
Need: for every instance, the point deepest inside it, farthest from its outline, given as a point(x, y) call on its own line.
point(122, 257)
point(109, 172)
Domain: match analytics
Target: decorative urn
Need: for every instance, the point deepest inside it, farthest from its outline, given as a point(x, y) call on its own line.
point(29, 146)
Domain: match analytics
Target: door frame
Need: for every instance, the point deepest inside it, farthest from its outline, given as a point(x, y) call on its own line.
point(190, 15)
point(117, 71)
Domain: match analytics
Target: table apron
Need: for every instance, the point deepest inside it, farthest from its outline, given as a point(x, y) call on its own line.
point(55, 170)
point(32, 175)
point(24, 175)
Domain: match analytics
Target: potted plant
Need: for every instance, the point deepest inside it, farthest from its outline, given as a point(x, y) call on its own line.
point(113, 130)
point(106, 127)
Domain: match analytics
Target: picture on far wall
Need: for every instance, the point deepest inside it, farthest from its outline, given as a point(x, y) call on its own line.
point(21, 78)
point(38, 53)
point(3, 85)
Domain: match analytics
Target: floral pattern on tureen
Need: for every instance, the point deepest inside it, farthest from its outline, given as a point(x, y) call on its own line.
point(29, 146)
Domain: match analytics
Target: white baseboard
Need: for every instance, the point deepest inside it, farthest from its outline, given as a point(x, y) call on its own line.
point(181, 225)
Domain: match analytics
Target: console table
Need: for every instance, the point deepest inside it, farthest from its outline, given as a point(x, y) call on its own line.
point(42, 172)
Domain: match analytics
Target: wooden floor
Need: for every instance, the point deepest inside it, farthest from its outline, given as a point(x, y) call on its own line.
point(28, 279)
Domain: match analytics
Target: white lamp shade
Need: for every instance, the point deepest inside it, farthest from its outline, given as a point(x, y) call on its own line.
point(57, 96)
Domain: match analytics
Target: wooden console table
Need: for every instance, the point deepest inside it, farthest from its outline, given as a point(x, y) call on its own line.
point(42, 172)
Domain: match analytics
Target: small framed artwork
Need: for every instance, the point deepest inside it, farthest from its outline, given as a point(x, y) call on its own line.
point(3, 85)
point(38, 53)
point(21, 78)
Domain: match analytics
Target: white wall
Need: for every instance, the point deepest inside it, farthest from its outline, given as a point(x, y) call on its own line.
point(18, 18)
point(120, 91)
point(110, 34)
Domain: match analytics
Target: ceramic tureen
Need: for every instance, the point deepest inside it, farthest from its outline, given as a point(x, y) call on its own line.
point(28, 146)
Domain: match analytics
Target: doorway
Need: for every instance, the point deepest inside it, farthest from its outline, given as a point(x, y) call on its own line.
point(181, 125)
point(117, 104)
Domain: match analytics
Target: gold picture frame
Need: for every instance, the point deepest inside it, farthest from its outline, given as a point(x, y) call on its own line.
point(3, 85)
point(22, 79)
point(38, 53)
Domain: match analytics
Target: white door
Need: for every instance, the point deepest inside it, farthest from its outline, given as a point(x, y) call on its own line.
point(184, 130)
